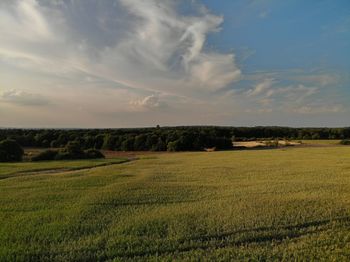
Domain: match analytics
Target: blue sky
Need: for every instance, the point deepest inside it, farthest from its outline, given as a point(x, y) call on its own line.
point(286, 34)
point(130, 63)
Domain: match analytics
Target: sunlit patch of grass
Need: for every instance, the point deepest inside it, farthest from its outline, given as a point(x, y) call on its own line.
point(242, 205)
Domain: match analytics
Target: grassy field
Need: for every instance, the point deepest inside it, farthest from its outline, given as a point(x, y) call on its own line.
point(8, 170)
point(284, 204)
point(321, 142)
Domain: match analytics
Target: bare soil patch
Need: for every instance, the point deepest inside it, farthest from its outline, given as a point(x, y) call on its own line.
point(253, 144)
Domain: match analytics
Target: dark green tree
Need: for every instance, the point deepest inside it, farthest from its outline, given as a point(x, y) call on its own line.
point(10, 150)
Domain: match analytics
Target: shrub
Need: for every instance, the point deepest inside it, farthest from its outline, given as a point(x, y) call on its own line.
point(10, 150)
point(54, 143)
point(173, 146)
point(70, 152)
point(73, 148)
point(88, 154)
point(62, 155)
point(223, 143)
point(93, 153)
point(273, 143)
point(3, 156)
point(45, 155)
point(345, 142)
point(315, 136)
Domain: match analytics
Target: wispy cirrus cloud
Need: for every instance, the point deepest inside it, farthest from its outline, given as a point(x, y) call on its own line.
point(264, 88)
point(271, 95)
point(159, 42)
point(148, 103)
point(273, 90)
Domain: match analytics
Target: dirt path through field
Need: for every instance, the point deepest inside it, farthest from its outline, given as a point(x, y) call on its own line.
point(63, 170)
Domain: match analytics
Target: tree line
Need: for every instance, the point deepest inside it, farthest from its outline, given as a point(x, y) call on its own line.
point(182, 138)
point(11, 151)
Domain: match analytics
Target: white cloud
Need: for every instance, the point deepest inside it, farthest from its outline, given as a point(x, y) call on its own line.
point(322, 79)
point(319, 109)
point(162, 51)
point(97, 56)
point(26, 22)
point(170, 47)
point(263, 88)
point(149, 102)
point(271, 96)
point(297, 93)
point(214, 71)
point(270, 90)
point(23, 98)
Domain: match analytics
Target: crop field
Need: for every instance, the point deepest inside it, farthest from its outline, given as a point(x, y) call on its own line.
point(321, 142)
point(290, 204)
point(10, 170)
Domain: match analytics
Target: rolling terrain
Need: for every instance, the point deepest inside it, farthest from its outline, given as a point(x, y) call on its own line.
point(283, 204)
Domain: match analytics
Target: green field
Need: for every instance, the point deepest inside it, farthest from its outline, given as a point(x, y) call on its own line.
point(321, 142)
point(285, 204)
point(8, 170)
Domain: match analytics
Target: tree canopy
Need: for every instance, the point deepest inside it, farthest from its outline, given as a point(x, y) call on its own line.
point(10, 151)
point(181, 138)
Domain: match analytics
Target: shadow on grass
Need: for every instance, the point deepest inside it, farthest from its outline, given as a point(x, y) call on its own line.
point(254, 236)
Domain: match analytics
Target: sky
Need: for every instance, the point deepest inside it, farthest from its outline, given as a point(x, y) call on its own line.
point(135, 63)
